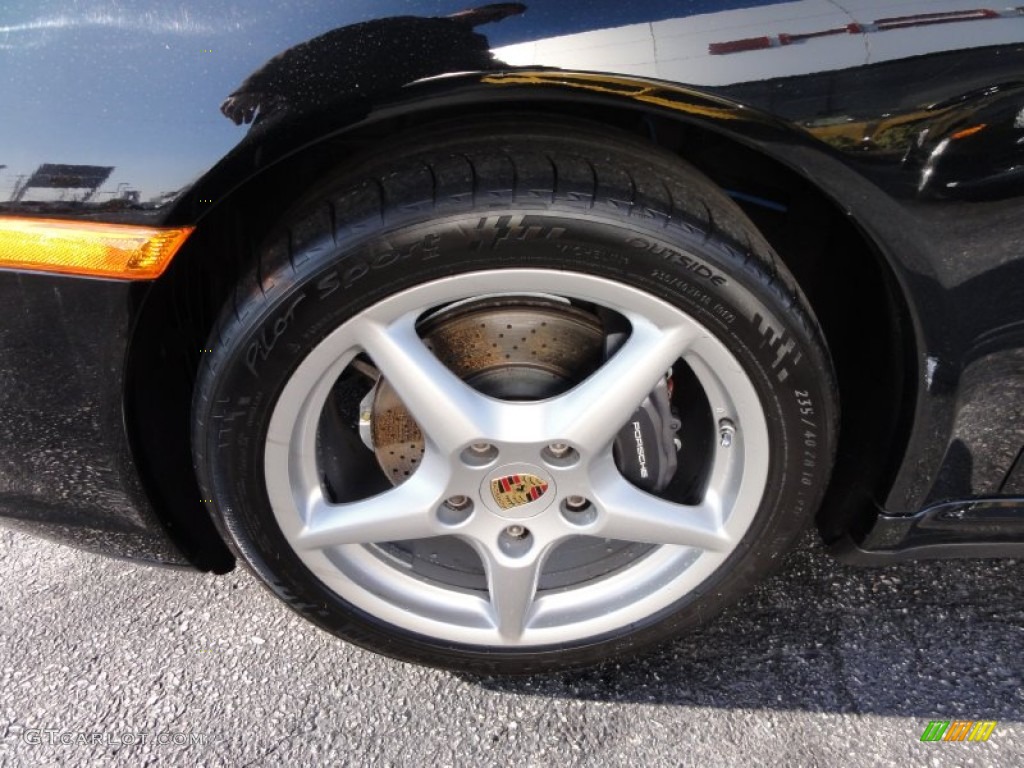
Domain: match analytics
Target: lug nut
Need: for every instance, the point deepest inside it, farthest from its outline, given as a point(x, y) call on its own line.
point(457, 502)
point(577, 510)
point(516, 532)
point(576, 503)
point(560, 454)
point(479, 454)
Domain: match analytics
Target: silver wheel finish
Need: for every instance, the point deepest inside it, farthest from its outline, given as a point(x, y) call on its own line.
point(513, 544)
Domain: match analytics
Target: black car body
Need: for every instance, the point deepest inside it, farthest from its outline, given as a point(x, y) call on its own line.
point(884, 138)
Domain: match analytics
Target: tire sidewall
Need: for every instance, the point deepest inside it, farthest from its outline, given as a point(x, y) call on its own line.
point(774, 339)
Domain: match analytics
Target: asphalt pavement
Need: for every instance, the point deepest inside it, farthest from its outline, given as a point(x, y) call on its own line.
point(104, 662)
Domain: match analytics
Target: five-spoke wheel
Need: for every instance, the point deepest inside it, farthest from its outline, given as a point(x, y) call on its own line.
point(557, 452)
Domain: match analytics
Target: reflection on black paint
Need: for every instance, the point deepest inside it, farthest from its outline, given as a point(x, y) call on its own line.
point(982, 157)
point(366, 59)
point(941, 126)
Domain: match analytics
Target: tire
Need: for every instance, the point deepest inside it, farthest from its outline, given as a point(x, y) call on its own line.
point(523, 529)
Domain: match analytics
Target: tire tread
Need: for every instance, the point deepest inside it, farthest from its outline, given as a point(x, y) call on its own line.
point(476, 168)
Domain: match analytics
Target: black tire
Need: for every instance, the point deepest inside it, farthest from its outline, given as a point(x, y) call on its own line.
point(491, 196)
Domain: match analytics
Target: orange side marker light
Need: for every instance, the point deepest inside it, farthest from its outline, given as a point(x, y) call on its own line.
point(117, 251)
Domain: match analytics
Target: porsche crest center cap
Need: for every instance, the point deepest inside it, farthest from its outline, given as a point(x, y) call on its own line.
point(516, 490)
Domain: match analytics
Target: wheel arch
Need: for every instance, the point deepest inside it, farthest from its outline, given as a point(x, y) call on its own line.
point(731, 144)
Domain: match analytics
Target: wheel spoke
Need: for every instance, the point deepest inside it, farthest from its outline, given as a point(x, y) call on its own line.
point(591, 413)
point(630, 514)
point(512, 583)
point(406, 512)
point(449, 411)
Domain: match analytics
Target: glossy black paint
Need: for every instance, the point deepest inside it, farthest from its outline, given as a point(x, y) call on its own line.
point(909, 124)
point(66, 468)
point(976, 528)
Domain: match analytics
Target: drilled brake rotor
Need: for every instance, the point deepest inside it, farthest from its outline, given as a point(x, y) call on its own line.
point(512, 348)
